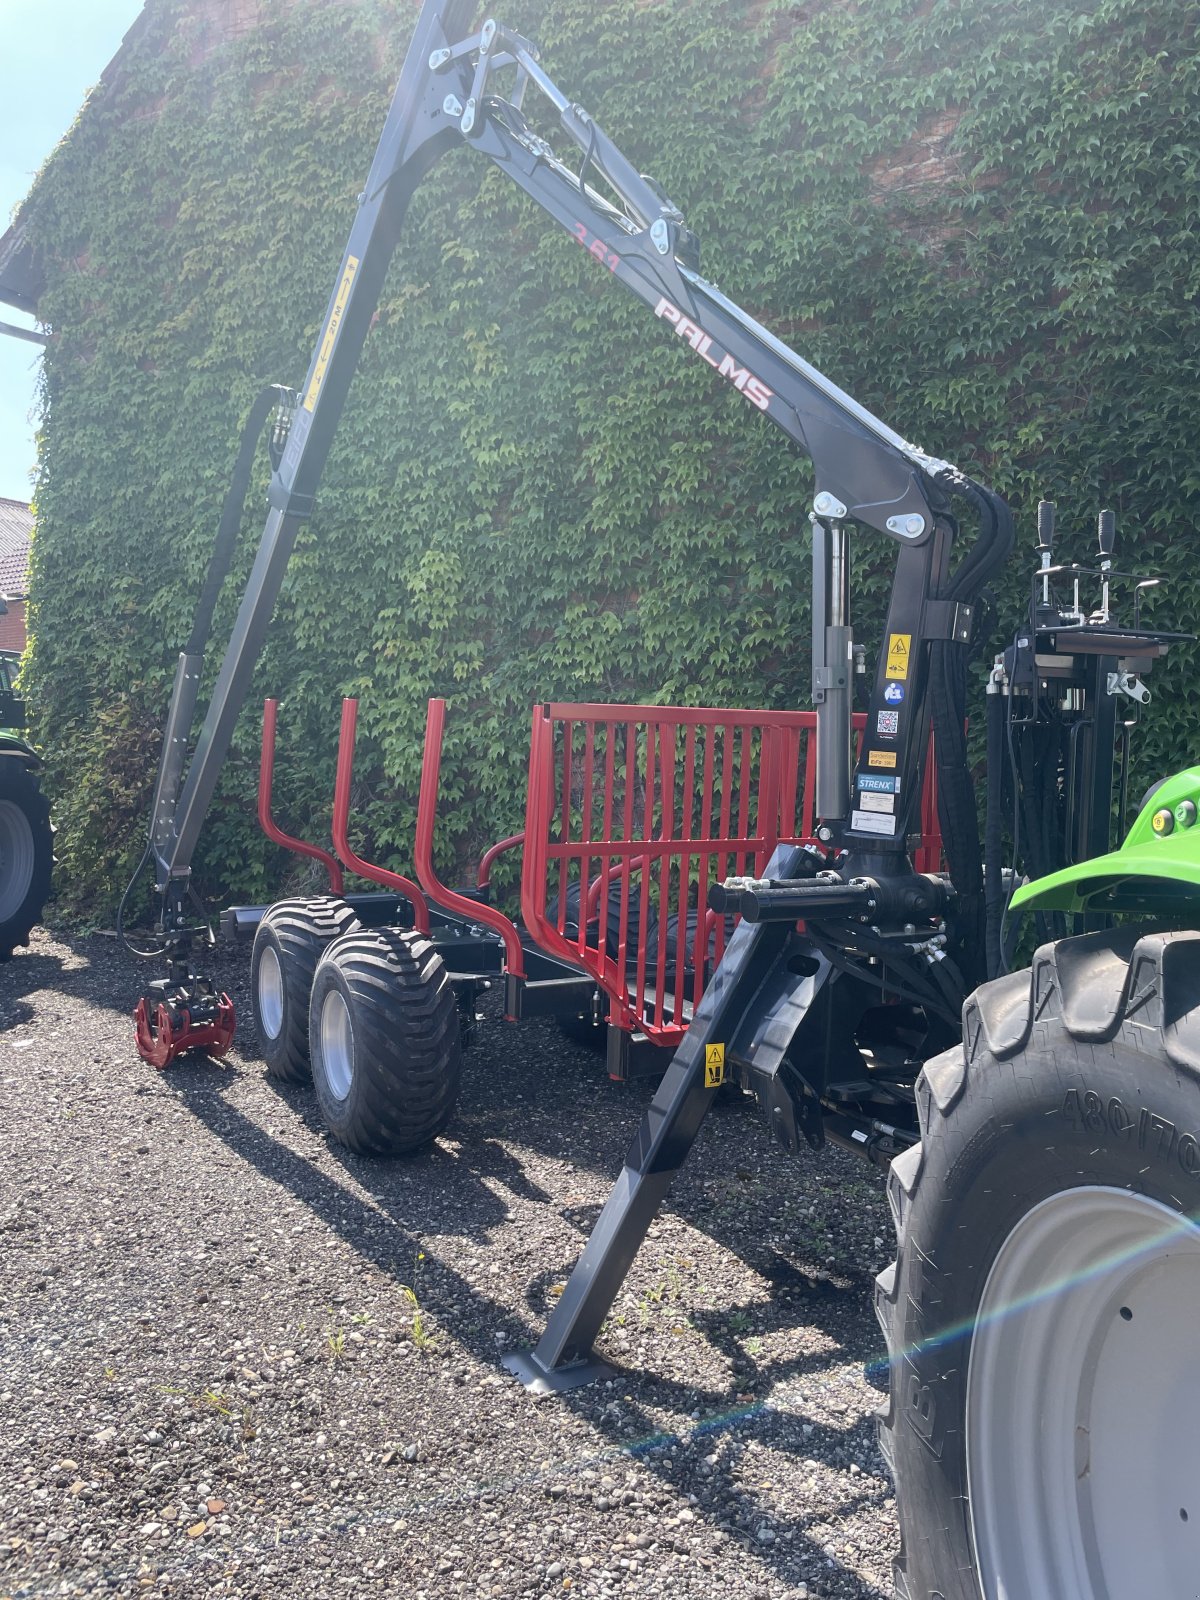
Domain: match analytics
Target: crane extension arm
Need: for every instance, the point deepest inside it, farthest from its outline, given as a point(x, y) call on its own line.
point(448, 94)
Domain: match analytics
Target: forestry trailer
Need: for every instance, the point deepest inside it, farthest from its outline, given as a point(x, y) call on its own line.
point(1040, 1127)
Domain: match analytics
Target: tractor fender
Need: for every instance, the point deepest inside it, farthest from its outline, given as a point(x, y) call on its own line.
point(16, 748)
point(1156, 868)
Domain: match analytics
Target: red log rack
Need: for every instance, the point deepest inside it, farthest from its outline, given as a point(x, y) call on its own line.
point(631, 814)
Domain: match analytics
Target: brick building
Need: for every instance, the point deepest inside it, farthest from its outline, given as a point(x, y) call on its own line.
point(16, 530)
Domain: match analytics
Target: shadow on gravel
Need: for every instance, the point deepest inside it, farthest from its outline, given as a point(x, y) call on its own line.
point(26, 974)
point(107, 975)
point(412, 1197)
point(532, 1089)
point(425, 1180)
point(489, 1159)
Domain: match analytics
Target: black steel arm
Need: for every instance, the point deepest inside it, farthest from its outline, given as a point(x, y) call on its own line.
point(416, 133)
point(758, 999)
point(868, 469)
point(864, 470)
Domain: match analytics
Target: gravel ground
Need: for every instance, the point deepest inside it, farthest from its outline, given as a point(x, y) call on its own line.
point(239, 1361)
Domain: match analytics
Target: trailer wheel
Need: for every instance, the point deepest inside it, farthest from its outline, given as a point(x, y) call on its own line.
point(26, 853)
point(384, 1040)
point(1041, 1312)
point(288, 943)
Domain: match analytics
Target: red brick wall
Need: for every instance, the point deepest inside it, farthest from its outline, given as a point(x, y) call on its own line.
point(12, 627)
point(228, 17)
point(925, 162)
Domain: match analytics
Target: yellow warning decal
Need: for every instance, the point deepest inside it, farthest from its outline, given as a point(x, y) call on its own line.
point(331, 332)
point(881, 758)
point(714, 1066)
point(899, 646)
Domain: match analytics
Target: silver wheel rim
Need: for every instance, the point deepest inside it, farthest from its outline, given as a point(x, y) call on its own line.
point(1083, 1406)
point(337, 1044)
point(17, 858)
point(270, 993)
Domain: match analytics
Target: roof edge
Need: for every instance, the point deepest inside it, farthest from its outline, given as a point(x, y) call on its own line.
point(22, 270)
point(22, 276)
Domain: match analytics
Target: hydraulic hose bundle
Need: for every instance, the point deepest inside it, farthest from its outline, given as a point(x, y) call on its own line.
point(948, 703)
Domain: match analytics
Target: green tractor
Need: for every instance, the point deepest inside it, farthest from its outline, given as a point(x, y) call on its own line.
point(1040, 1312)
point(26, 837)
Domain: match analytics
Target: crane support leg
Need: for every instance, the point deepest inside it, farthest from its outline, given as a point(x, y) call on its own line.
point(668, 1129)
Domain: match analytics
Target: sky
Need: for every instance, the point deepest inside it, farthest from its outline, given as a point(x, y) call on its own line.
point(51, 53)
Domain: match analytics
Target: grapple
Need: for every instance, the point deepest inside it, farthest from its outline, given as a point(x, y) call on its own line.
point(171, 1019)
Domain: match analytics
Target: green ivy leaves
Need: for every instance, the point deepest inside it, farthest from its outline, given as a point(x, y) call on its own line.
point(983, 224)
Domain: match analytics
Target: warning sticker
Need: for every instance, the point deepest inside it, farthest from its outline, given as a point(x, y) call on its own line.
point(899, 645)
point(881, 758)
point(887, 723)
point(877, 802)
point(329, 337)
point(714, 1066)
point(868, 822)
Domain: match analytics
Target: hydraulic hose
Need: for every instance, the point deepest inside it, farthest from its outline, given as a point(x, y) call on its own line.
point(996, 536)
point(956, 800)
point(948, 704)
point(993, 837)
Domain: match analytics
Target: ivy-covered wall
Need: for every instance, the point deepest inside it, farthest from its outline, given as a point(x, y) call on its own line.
point(980, 220)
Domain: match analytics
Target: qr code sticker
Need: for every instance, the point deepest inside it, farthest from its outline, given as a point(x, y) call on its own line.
point(887, 722)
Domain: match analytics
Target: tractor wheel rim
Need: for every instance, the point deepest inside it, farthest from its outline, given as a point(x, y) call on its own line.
point(337, 1044)
point(17, 858)
point(1083, 1409)
point(270, 993)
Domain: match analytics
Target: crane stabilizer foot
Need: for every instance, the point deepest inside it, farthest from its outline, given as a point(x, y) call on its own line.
point(540, 1379)
point(173, 1018)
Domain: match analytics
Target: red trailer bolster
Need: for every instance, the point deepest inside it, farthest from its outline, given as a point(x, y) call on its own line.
point(341, 819)
point(266, 773)
point(473, 910)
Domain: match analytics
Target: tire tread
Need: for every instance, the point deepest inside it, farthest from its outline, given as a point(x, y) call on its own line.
point(19, 784)
point(1095, 987)
point(301, 931)
point(408, 1051)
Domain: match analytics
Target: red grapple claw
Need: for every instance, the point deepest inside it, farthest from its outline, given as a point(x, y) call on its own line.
point(160, 1041)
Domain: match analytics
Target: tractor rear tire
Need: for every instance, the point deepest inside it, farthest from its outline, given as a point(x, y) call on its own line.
point(26, 853)
point(1041, 1313)
point(384, 1041)
point(288, 943)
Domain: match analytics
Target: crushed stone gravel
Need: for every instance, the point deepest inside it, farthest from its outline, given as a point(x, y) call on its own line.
point(239, 1361)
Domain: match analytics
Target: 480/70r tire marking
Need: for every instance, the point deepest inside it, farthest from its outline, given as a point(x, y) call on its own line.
point(1155, 1134)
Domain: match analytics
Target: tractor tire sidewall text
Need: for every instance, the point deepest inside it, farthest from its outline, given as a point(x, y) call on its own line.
point(385, 1041)
point(288, 943)
point(26, 853)
point(1083, 1072)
